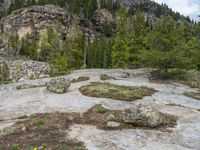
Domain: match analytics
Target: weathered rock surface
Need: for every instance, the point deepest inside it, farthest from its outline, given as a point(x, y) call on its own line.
point(146, 116)
point(32, 19)
point(58, 85)
point(184, 136)
point(23, 70)
point(102, 17)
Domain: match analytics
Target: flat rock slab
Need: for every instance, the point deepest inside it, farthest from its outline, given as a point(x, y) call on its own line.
point(169, 99)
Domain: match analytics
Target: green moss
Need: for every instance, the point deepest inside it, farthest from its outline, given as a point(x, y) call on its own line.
point(193, 95)
point(3, 73)
point(81, 79)
point(39, 122)
point(106, 77)
point(107, 90)
point(101, 109)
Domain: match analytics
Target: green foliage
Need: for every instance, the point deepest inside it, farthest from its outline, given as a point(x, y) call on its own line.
point(169, 46)
point(13, 43)
point(99, 53)
point(29, 48)
point(59, 65)
point(39, 122)
point(3, 73)
point(165, 52)
point(86, 8)
point(120, 48)
point(100, 109)
point(75, 47)
point(15, 147)
point(138, 33)
point(53, 51)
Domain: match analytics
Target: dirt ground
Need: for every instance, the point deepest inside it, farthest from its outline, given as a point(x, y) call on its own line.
point(49, 131)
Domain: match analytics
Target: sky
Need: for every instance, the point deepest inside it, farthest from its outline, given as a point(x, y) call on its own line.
point(189, 8)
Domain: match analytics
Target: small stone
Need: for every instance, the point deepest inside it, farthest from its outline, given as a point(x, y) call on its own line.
point(112, 124)
point(31, 75)
point(24, 128)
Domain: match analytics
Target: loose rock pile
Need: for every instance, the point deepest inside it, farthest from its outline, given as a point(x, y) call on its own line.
point(26, 70)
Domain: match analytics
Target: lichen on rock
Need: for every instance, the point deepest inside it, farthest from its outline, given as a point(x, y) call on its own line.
point(146, 116)
point(58, 85)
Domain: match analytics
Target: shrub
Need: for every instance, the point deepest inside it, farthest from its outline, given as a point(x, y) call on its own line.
point(15, 147)
point(39, 122)
point(101, 109)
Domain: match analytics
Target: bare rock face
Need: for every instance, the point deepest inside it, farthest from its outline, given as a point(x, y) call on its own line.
point(58, 85)
point(102, 17)
point(26, 70)
point(145, 116)
point(32, 19)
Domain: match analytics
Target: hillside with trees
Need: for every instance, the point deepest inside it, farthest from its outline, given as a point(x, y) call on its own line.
point(137, 34)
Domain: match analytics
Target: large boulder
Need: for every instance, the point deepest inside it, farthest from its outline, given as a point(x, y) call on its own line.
point(58, 85)
point(146, 116)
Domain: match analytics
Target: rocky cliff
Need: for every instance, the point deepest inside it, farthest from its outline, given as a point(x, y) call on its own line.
point(32, 19)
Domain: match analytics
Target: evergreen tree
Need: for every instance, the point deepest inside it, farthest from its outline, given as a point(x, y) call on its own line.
point(164, 53)
point(121, 48)
point(99, 53)
point(138, 34)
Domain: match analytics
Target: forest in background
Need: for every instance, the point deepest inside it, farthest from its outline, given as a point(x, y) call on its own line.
point(171, 45)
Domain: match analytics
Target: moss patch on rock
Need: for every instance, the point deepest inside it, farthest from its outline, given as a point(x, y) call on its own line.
point(80, 79)
point(194, 95)
point(107, 77)
point(117, 92)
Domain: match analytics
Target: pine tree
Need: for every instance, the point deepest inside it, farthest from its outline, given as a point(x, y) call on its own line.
point(164, 53)
point(121, 49)
point(138, 34)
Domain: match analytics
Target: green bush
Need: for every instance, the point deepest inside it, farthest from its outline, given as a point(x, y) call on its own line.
point(15, 147)
point(101, 109)
point(3, 73)
point(39, 122)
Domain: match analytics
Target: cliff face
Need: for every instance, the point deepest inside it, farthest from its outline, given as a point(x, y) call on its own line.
point(34, 18)
point(31, 20)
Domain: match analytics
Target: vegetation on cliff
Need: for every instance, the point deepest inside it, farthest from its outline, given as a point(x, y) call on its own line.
point(170, 45)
